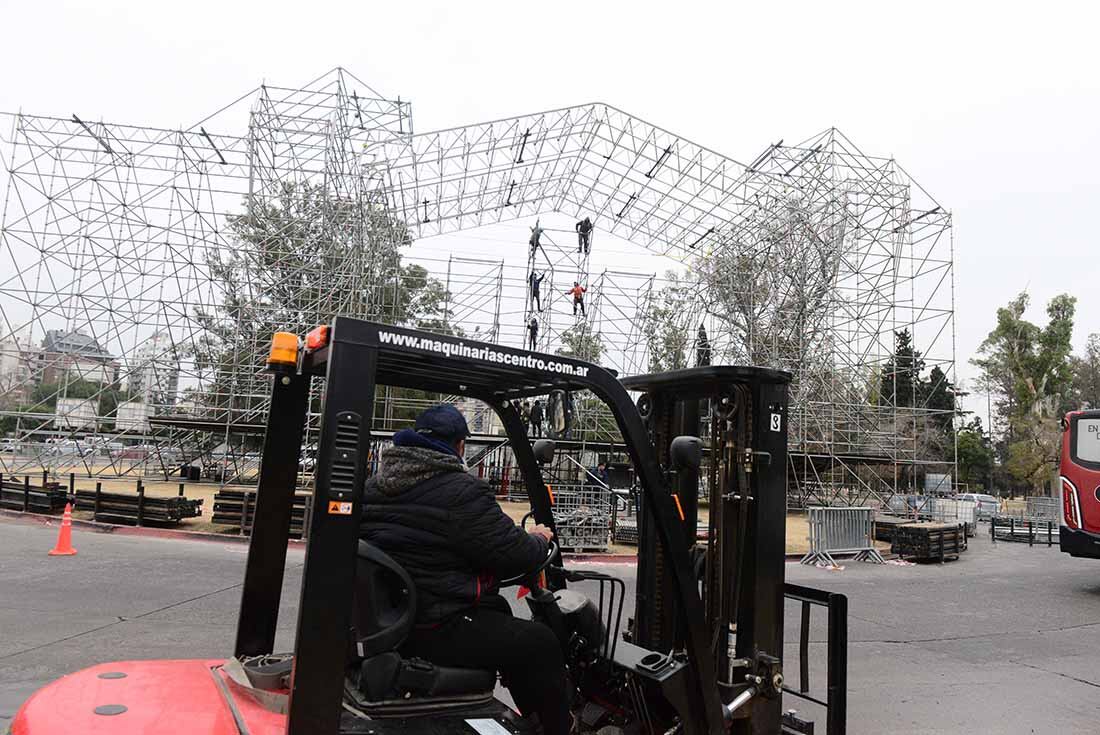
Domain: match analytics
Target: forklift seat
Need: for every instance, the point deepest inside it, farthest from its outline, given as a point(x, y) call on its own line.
point(383, 614)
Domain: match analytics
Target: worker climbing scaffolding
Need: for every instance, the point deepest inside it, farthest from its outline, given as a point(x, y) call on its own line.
point(535, 240)
point(578, 297)
point(546, 257)
point(534, 281)
point(533, 332)
point(584, 235)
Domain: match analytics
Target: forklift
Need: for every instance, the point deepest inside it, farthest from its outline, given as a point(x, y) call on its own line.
point(701, 654)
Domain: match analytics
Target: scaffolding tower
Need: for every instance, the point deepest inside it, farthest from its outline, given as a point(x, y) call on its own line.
point(142, 269)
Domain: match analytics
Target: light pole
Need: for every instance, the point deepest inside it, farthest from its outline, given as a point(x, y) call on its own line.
point(989, 433)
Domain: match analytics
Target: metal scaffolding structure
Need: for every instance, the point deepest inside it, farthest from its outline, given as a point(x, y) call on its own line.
point(142, 269)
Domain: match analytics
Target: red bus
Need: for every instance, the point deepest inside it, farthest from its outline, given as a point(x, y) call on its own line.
point(1080, 471)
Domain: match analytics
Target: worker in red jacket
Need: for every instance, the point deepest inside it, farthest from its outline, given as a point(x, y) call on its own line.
point(578, 297)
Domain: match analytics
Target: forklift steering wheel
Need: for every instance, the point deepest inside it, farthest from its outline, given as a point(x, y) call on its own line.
point(551, 554)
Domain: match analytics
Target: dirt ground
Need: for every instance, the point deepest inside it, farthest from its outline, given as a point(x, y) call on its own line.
point(162, 489)
point(797, 529)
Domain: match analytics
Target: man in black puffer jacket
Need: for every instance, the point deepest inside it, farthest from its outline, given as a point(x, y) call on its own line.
point(444, 526)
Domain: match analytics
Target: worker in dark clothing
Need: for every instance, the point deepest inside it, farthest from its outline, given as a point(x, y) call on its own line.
point(536, 234)
point(444, 527)
point(702, 347)
point(602, 474)
point(533, 332)
point(536, 419)
point(578, 297)
point(584, 235)
point(535, 281)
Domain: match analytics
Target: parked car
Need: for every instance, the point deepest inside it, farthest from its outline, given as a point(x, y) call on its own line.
point(987, 504)
point(70, 447)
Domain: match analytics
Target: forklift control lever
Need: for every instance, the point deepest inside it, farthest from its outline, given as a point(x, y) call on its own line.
point(739, 701)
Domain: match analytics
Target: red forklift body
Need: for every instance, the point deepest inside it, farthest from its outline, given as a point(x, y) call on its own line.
point(135, 697)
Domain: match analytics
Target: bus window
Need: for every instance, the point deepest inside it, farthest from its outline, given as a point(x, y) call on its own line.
point(1087, 446)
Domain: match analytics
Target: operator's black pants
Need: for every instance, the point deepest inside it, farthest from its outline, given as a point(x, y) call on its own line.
point(527, 655)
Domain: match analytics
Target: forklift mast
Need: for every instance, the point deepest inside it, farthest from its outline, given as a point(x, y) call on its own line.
point(741, 564)
point(354, 357)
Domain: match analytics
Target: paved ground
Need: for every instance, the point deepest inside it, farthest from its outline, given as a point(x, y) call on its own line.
point(1006, 640)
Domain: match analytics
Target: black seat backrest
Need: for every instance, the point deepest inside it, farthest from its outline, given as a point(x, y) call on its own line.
point(384, 603)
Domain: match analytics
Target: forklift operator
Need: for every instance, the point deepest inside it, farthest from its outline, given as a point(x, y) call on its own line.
point(443, 525)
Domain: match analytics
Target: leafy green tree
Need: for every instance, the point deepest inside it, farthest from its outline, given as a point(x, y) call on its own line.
point(937, 393)
point(666, 325)
point(299, 259)
point(1024, 364)
point(975, 456)
point(581, 343)
point(772, 283)
point(1085, 384)
point(1028, 368)
point(45, 395)
point(901, 374)
point(109, 398)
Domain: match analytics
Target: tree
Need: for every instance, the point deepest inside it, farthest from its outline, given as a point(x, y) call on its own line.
point(1028, 368)
point(298, 259)
point(1024, 364)
point(1085, 382)
point(975, 456)
point(581, 343)
point(45, 395)
point(666, 324)
point(937, 393)
point(901, 374)
point(425, 301)
point(109, 399)
point(772, 282)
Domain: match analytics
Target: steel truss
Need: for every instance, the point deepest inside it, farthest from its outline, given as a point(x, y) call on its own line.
point(808, 258)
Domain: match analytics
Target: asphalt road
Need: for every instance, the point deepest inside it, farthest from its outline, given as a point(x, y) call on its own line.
point(1006, 640)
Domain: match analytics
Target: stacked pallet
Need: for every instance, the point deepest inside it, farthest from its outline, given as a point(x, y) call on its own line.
point(886, 526)
point(928, 541)
point(48, 498)
point(133, 509)
point(237, 507)
point(626, 532)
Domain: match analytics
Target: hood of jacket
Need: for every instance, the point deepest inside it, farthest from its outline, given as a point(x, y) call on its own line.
point(400, 468)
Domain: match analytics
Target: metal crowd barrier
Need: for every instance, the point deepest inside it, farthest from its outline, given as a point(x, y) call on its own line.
point(1044, 509)
point(946, 510)
point(842, 531)
point(1011, 528)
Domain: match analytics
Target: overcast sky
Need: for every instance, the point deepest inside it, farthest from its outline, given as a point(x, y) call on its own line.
point(994, 109)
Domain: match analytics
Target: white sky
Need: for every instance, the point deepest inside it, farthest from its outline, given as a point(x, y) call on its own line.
point(994, 108)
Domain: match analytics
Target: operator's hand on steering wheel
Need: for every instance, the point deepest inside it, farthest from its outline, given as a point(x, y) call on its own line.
point(540, 530)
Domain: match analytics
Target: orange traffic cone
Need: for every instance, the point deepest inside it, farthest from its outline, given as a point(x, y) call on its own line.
point(65, 536)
